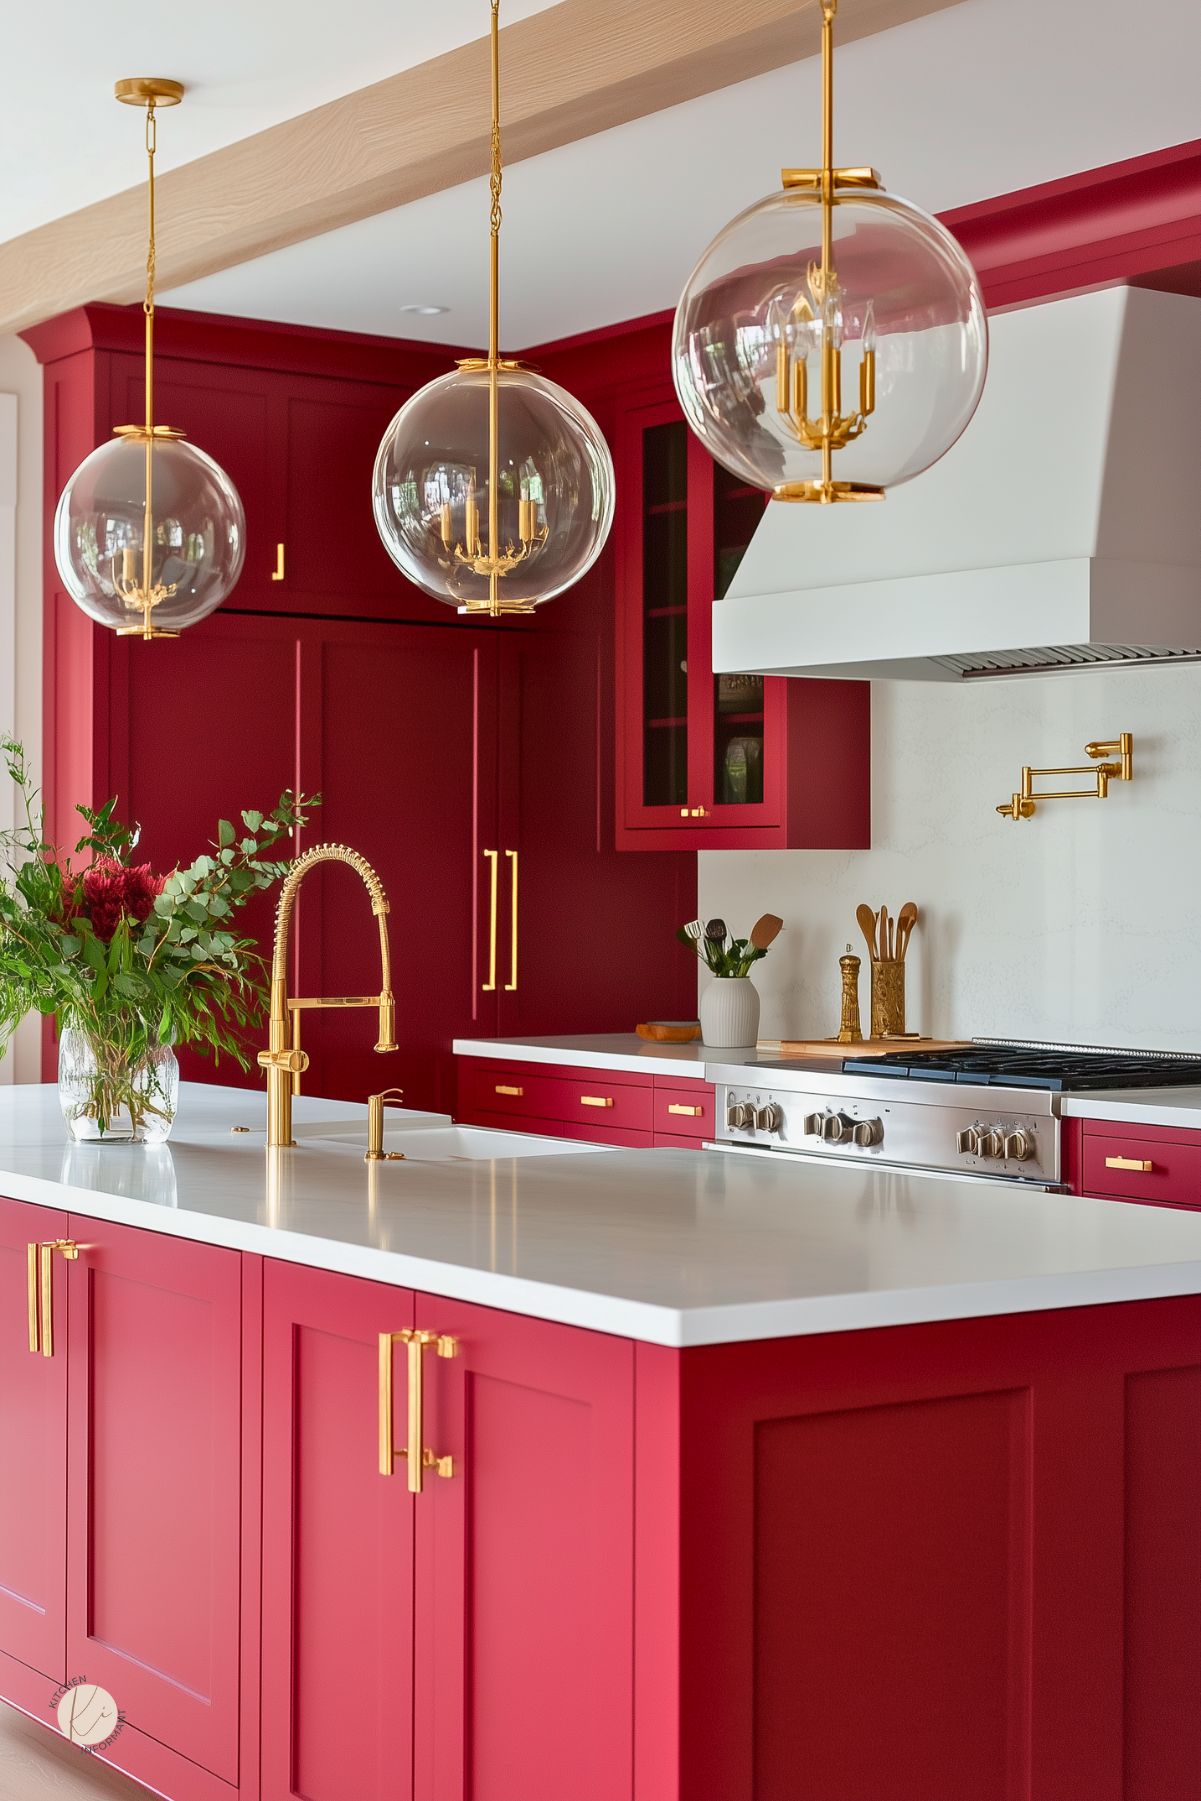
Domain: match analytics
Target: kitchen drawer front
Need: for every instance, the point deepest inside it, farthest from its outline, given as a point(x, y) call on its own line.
point(587, 1097)
point(1137, 1168)
point(686, 1111)
point(559, 1128)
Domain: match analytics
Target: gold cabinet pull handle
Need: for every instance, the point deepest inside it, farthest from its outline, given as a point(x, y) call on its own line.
point(70, 1250)
point(31, 1296)
point(511, 984)
point(416, 1455)
point(508, 1088)
point(689, 1112)
point(493, 859)
point(277, 574)
point(1144, 1165)
point(596, 1100)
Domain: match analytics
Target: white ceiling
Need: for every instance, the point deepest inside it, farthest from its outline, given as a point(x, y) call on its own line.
point(986, 97)
point(989, 96)
point(247, 64)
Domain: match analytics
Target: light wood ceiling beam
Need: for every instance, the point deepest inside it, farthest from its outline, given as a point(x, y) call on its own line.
point(573, 70)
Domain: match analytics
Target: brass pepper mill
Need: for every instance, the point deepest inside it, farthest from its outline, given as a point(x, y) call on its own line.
point(849, 1030)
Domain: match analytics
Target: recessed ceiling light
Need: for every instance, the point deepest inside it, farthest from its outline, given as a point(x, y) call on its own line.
point(426, 312)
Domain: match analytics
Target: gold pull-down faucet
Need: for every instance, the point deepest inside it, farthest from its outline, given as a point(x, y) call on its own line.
point(284, 1061)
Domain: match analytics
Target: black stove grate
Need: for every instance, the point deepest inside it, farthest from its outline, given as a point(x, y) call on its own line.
point(1021, 1066)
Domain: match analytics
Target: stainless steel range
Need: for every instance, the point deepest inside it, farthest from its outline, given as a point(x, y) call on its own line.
point(990, 1109)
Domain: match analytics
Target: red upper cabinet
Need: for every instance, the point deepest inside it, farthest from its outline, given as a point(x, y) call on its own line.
point(711, 761)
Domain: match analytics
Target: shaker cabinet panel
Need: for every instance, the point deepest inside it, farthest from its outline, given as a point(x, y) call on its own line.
point(397, 724)
point(334, 560)
point(154, 1513)
point(337, 1545)
point(33, 1399)
point(525, 1581)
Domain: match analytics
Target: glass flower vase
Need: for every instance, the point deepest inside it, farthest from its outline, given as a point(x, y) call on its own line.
point(119, 1090)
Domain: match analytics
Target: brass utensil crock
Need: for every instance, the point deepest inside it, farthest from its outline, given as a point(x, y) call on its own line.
point(888, 996)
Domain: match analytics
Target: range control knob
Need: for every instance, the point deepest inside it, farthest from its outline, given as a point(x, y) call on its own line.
point(769, 1118)
point(1018, 1145)
point(740, 1115)
point(968, 1141)
point(992, 1143)
point(812, 1124)
point(837, 1127)
point(868, 1132)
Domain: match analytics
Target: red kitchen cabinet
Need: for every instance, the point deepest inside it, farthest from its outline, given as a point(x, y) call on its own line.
point(33, 1431)
point(338, 1640)
point(735, 762)
point(479, 1634)
point(525, 1578)
point(473, 764)
point(630, 1107)
point(1131, 1161)
point(925, 1563)
point(154, 1515)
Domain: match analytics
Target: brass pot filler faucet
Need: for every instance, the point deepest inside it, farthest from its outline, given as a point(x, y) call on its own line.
point(284, 1061)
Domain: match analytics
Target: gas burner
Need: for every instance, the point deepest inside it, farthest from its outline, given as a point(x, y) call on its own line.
point(1033, 1066)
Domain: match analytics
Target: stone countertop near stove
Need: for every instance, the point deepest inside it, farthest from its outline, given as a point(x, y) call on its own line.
point(609, 1050)
point(672, 1247)
point(1180, 1107)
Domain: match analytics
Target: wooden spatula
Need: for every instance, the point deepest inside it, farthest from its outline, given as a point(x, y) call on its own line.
point(765, 931)
point(906, 920)
point(867, 925)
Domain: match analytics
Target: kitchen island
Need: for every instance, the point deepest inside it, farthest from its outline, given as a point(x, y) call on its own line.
point(518, 1470)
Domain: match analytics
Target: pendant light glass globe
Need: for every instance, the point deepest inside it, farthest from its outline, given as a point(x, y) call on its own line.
point(197, 534)
point(753, 314)
point(554, 502)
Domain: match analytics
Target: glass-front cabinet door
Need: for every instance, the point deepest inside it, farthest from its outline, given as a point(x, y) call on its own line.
point(695, 749)
point(714, 761)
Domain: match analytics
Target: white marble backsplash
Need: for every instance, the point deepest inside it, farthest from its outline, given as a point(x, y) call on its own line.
point(1083, 923)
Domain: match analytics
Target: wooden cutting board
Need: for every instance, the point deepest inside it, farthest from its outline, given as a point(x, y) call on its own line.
point(867, 1047)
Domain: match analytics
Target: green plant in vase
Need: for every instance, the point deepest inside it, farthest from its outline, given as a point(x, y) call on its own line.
point(129, 962)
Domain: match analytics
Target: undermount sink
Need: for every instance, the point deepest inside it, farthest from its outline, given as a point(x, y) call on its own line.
point(472, 1144)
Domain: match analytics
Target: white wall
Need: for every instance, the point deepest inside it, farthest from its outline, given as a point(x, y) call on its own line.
point(20, 598)
point(1082, 923)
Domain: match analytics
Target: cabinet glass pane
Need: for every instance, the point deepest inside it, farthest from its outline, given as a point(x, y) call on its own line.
point(664, 615)
point(738, 737)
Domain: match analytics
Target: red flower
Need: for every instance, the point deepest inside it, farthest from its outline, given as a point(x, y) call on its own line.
point(112, 892)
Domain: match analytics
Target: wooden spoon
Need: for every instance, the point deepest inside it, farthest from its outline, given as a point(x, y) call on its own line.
point(906, 920)
point(867, 925)
point(765, 931)
point(885, 953)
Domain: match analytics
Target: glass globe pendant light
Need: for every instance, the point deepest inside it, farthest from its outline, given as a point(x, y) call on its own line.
point(149, 533)
point(830, 283)
point(493, 488)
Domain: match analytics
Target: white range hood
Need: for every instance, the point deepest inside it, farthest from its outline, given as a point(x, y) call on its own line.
point(1063, 530)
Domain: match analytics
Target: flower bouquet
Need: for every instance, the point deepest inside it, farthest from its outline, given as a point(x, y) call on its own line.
point(130, 962)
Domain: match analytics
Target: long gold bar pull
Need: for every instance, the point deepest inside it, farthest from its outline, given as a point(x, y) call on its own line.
point(387, 1456)
point(511, 984)
point(70, 1251)
point(414, 1453)
point(31, 1295)
point(493, 857)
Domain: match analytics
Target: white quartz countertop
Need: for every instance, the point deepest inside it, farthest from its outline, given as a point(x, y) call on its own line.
point(607, 1050)
point(673, 1247)
point(1138, 1106)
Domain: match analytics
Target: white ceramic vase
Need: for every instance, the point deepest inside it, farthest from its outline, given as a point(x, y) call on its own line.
point(730, 1013)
